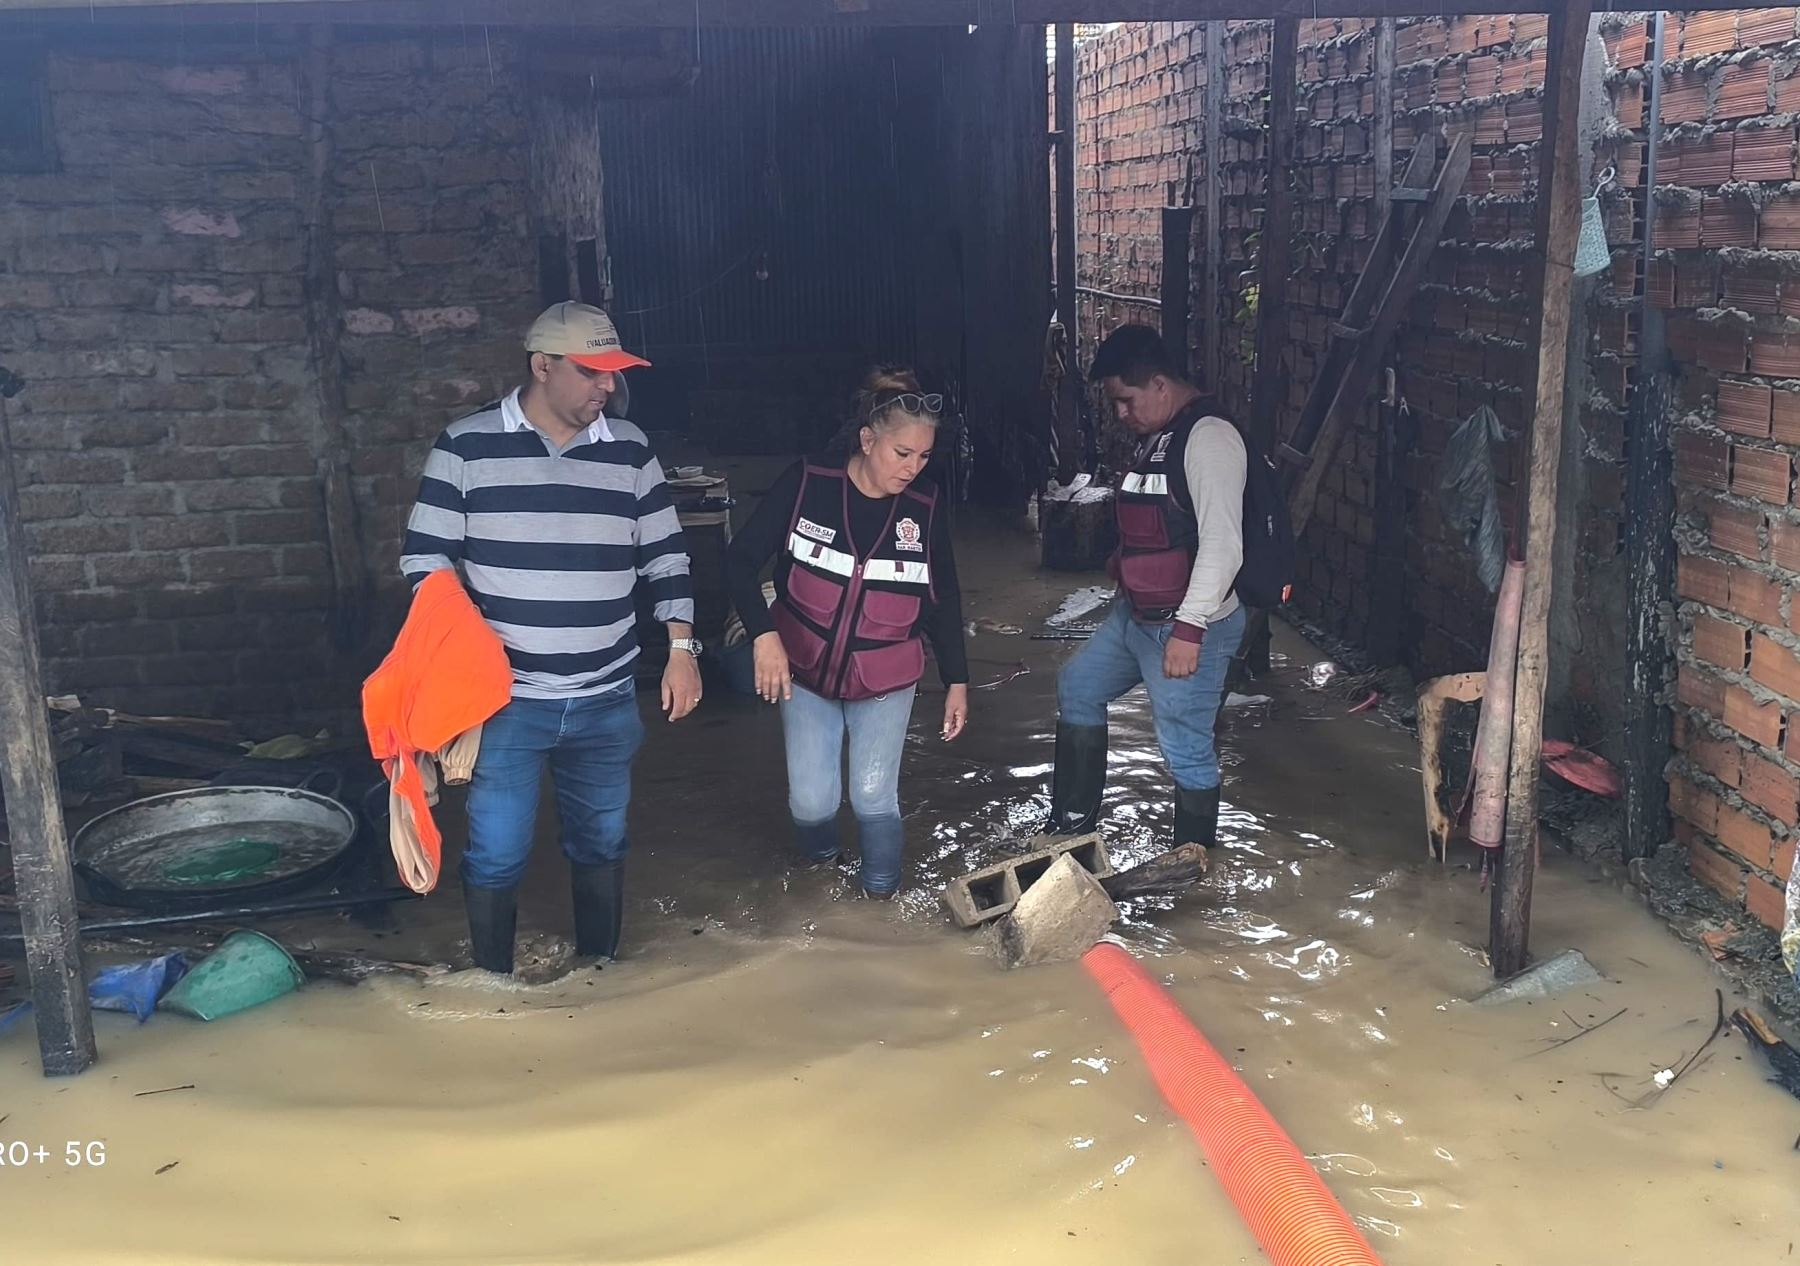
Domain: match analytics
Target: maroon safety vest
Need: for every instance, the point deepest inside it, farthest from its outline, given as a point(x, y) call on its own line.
point(847, 611)
point(1158, 531)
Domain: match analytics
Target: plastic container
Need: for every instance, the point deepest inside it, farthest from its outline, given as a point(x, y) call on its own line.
point(246, 970)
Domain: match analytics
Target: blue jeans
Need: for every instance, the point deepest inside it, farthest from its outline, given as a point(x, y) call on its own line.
point(588, 744)
point(814, 729)
point(1121, 653)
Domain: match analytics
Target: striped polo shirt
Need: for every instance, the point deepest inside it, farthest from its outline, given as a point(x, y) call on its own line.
point(551, 543)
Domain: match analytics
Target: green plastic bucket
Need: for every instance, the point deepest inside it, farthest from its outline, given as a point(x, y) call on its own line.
point(246, 970)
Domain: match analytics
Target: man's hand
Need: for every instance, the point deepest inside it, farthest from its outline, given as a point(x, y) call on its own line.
point(774, 681)
point(680, 685)
point(1180, 659)
point(956, 710)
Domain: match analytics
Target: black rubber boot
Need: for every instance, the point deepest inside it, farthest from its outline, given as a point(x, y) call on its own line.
point(1079, 779)
point(1196, 817)
point(493, 915)
point(599, 908)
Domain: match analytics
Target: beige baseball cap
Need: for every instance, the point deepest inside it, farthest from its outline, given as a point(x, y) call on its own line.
point(581, 333)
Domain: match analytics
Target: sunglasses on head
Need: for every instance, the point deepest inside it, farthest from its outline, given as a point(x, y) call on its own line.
point(911, 402)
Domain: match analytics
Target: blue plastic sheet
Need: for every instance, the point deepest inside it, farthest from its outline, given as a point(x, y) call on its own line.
point(133, 988)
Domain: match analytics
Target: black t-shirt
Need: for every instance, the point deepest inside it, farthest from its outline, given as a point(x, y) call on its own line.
point(761, 539)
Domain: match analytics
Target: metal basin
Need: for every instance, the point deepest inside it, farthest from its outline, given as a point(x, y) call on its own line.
point(192, 847)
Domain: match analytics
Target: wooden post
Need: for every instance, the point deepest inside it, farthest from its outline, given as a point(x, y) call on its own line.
point(1275, 255)
point(1649, 537)
point(1559, 229)
point(1212, 203)
point(1177, 281)
point(34, 820)
point(1068, 300)
point(1386, 64)
point(324, 321)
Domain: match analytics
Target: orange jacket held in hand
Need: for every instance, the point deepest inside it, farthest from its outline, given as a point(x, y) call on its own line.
point(447, 674)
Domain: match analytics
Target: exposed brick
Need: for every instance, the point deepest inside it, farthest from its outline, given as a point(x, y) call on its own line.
point(1716, 871)
point(1755, 596)
point(1703, 580)
point(1767, 902)
point(1745, 408)
point(1783, 863)
point(1693, 803)
point(1784, 544)
point(1771, 788)
point(1763, 154)
point(1702, 461)
point(1722, 758)
point(1735, 531)
point(1785, 426)
point(1721, 643)
point(1775, 666)
point(1780, 226)
point(1765, 474)
point(1759, 722)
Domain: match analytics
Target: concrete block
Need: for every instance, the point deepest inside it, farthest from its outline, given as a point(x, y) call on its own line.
point(1568, 970)
point(987, 894)
point(1056, 919)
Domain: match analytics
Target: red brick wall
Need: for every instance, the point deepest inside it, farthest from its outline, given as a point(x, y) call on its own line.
point(1722, 212)
point(1464, 342)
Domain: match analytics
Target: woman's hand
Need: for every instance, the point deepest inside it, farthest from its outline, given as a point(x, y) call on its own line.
point(773, 681)
point(956, 710)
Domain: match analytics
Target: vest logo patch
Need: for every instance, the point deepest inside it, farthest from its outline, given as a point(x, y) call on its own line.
point(806, 527)
point(906, 536)
point(1161, 449)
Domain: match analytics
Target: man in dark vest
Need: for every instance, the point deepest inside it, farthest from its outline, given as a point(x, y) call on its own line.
point(1175, 622)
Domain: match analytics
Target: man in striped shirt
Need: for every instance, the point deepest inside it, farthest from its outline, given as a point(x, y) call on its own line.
point(553, 513)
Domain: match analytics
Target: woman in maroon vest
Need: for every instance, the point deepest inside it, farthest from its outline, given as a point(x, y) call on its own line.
point(863, 572)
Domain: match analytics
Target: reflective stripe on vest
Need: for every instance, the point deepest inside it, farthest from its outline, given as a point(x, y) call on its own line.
point(1146, 485)
point(813, 554)
point(887, 569)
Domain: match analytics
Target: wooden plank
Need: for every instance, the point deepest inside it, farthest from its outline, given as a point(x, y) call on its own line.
point(1177, 282)
point(324, 322)
point(1649, 539)
point(1275, 255)
point(1386, 64)
point(616, 14)
point(1559, 229)
point(1353, 389)
point(1359, 308)
point(1212, 202)
point(1068, 301)
point(40, 848)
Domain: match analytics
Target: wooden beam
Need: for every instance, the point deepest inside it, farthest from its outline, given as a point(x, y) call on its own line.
point(1649, 535)
point(1212, 201)
point(617, 14)
point(1275, 254)
point(1387, 62)
point(1177, 282)
point(1559, 229)
point(34, 819)
point(1067, 412)
point(324, 322)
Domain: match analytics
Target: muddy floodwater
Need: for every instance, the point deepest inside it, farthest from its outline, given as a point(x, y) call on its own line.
point(781, 1075)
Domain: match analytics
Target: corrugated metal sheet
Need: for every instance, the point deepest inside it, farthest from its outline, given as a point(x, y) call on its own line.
point(763, 208)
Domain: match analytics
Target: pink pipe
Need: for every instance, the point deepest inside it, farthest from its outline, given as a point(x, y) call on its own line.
point(1493, 736)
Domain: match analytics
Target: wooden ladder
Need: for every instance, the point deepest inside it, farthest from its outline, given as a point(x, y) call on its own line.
point(1361, 337)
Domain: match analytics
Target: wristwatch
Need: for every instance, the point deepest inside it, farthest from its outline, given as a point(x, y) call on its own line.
point(689, 644)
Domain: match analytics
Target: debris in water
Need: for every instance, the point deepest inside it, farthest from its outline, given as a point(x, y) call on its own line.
point(166, 1090)
point(1246, 701)
point(1568, 970)
point(1321, 675)
point(1664, 1079)
point(166, 1168)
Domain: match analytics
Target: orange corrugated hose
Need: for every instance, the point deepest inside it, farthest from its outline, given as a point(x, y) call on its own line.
point(1288, 1208)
